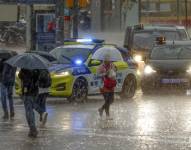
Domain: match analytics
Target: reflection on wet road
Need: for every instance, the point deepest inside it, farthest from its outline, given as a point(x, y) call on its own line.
point(145, 122)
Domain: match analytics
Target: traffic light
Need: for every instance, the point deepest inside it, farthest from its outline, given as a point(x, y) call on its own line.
point(81, 3)
point(69, 3)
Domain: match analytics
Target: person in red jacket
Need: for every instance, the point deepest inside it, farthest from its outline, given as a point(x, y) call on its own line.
point(108, 72)
point(51, 26)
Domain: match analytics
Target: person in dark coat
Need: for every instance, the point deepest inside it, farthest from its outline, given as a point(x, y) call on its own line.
point(8, 81)
point(44, 82)
point(29, 93)
point(29, 84)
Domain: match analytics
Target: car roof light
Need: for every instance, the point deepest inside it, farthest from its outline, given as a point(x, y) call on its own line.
point(139, 27)
point(160, 40)
point(84, 40)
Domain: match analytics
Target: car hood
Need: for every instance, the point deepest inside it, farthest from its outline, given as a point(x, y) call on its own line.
point(59, 67)
point(165, 65)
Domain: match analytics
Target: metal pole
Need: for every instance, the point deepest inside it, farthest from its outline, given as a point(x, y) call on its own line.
point(28, 27)
point(178, 10)
point(75, 19)
point(139, 5)
point(186, 13)
point(60, 5)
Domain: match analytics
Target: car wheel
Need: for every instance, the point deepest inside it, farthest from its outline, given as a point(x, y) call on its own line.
point(129, 87)
point(80, 91)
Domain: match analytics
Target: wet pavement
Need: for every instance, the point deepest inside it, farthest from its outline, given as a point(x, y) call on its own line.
point(156, 122)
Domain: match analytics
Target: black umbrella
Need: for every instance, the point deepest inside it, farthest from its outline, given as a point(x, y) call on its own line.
point(46, 55)
point(6, 54)
point(29, 61)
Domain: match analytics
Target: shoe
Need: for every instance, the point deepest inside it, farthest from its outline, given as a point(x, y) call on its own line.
point(12, 115)
point(33, 133)
point(100, 112)
point(44, 118)
point(6, 116)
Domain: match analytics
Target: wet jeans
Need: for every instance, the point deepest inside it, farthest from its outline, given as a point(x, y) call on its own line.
point(41, 101)
point(7, 94)
point(31, 104)
point(109, 98)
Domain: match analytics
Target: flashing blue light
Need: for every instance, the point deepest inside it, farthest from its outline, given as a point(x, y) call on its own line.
point(84, 40)
point(78, 62)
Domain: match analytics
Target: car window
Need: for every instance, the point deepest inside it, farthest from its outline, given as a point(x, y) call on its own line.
point(145, 40)
point(171, 52)
point(70, 55)
point(183, 34)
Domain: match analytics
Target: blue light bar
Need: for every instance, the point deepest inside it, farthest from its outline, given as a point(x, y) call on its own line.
point(83, 40)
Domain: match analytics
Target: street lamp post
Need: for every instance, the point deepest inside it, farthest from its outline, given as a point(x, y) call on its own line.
point(60, 5)
point(75, 19)
point(186, 13)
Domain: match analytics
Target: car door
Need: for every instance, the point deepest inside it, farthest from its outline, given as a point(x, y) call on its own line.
point(95, 79)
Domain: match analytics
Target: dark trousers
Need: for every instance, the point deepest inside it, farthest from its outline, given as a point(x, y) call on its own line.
point(7, 95)
point(41, 101)
point(30, 103)
point(109, 98)
point(30, 116)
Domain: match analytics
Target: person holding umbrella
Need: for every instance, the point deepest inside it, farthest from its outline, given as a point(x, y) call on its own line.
point(44, 82)
point(30, 65)
point(107, 70)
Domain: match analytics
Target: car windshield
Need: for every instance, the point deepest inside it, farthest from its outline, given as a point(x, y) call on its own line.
point(70, 55)
point(171, 52)
point(144, 40)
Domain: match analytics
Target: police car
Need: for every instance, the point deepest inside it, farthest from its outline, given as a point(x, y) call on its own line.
point(168, 65)
point(75, 76)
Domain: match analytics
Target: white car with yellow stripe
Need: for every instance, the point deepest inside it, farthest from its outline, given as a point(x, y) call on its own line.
point(76, 77)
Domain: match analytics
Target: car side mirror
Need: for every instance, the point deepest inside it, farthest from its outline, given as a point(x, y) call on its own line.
point(95, 63)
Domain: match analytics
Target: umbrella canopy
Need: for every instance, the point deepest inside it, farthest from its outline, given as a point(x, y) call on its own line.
point(6, 54)
point(29, 61)
point(110, 53)
point(46, 55)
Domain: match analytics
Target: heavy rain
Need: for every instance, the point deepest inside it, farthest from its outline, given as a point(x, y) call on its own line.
point(94, 74)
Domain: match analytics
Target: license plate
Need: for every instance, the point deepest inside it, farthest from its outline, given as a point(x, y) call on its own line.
point(174, 81)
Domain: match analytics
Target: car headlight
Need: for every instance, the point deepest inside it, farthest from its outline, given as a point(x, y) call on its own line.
point(148, 70)
point(138, 58)
point(188, 70)
point(17, 73)
point(64, 73)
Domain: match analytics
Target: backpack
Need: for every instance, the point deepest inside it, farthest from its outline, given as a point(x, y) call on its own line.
point(44, 80)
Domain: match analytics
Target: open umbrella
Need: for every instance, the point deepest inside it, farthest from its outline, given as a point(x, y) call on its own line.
point(110, 53)
point(46, 55)
point(29, 61)
point(6, 54)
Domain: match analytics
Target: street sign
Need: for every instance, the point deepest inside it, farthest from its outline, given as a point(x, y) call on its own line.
point(36, 1)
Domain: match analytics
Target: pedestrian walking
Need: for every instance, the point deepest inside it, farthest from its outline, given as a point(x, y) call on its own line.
point(44, 82)
point(108, 72)
point(8, 81)
point(29, 83)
